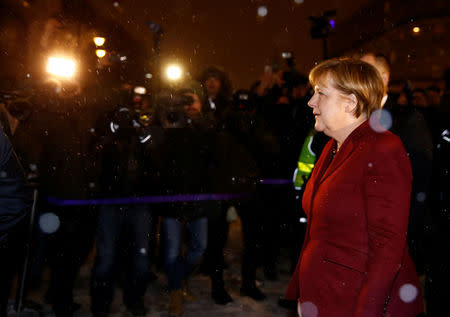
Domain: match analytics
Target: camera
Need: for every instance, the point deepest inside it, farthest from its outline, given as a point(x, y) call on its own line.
point(171, 109)
point(243, 101)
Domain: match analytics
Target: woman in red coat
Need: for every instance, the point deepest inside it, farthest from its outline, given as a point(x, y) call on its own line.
point(355, 261)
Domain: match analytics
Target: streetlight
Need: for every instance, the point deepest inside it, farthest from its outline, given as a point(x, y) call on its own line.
point(100, 53)
point(61, 66)
point(174, 73)
point(99, 40)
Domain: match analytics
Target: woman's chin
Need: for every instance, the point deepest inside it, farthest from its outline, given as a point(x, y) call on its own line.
point(318, 127)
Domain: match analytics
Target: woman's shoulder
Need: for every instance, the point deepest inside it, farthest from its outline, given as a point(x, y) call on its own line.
point(387, 140)
point(387, 149)
point(380, 140)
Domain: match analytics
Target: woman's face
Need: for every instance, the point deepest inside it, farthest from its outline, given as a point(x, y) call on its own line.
point(329, 107)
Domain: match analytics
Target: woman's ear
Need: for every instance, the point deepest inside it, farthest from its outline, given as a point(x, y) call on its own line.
point(352, 102)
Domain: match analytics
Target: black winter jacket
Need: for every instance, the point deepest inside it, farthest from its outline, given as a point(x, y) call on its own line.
point(15, 196)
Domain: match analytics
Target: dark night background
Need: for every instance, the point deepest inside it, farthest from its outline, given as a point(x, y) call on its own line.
point(198, 33)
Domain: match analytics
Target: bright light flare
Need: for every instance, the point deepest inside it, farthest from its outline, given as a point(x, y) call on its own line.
point(99, 41)
point(174, 72)
point(139, 90)
point(100, 53)
point(61, 67)
point(416, 29)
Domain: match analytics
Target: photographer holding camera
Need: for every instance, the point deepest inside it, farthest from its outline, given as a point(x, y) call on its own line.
point(122, 155)
point(183, 159)
point(280, 97)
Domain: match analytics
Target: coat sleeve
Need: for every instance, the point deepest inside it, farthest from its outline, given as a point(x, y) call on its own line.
point(387, 189)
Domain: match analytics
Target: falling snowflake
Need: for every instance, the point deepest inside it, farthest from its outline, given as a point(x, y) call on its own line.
point(308, 309)
point(380, 120)
point(408, 293)
point(262, 11)
point(49, 222)
point(421, 197)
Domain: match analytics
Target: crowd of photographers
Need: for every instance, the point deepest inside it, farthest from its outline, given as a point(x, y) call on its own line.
point(148, 174)
point(159, 180)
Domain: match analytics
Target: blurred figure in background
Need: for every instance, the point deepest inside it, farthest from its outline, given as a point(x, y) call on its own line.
point(182, 159)
point(419, 98)
point(15, 205)
point(409, 124)
point(239, 149)
point(217, 94)
point(123, 174)
point(437, 288)
point(217, 110)
point(280, 98)
point(433, 96)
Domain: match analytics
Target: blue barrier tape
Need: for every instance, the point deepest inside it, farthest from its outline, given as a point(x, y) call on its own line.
point(144, 199)
point(161, 199)
point(275, 181)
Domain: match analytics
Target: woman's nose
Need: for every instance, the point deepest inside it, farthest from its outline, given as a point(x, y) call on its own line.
point(312, 101)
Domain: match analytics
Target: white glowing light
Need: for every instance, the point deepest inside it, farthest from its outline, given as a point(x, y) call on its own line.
point(49, 222)
point(408, 293)
point(143, 251)
point(174, 72)
point(445, 135)
point(148, 137)
point(416, 29)
point(298, 1)
point(148, 76)
point(262, 11)
point(100, 53)
point(114, 127)
point(99, 41)
point(116, 4)
point(380, 120)
point(61, 67)
point(123, 58)
point(302, 220)
point(308, 309)
point(139, 90)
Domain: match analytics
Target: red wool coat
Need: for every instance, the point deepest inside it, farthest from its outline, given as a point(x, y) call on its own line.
point(355, 261)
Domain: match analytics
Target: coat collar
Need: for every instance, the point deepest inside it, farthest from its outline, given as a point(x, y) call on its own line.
point(330, 164)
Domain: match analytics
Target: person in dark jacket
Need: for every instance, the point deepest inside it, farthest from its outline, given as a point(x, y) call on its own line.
point(15, 203)
point(410, 125)
point(218, 92)
point(217, 108)
point(123, 175)
point(438, 276)
point(182, 159)
point(64, 126)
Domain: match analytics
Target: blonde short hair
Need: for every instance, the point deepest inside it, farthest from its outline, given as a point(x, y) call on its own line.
point(352, 76)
